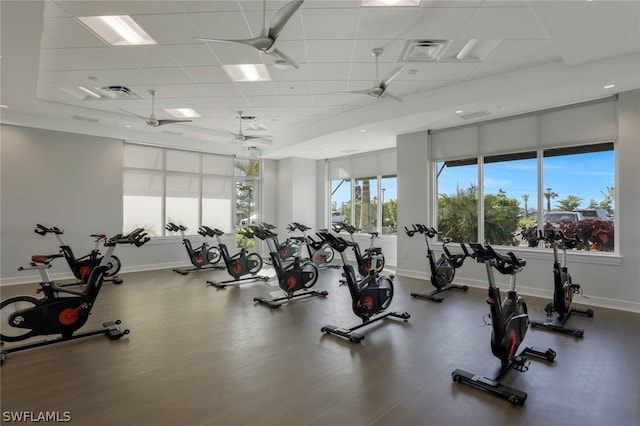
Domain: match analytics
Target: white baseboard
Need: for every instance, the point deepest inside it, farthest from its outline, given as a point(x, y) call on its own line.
point(592, 301)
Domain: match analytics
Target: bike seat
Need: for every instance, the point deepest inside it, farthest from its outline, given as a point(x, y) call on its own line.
point(100, 236)
point(374, 234)
point(45, 258)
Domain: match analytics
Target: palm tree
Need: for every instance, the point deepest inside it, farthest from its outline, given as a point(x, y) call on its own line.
point(549, 195)
point(525, 197)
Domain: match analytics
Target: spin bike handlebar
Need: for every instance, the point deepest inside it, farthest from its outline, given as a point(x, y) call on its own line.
point(137, 237)
point(505, 264)
point(43, 230)
point(339, 244)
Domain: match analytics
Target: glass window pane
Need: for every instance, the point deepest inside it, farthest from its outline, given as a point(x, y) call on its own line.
point(247, 168)
point(340, 200)
point(146, 183)
point(457, 189)
point(579, 194)
point(216, 202)
point(510, 189)
point(389, 194)
point(366, 204)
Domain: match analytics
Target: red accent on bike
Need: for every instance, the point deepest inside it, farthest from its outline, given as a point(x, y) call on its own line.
point(368, 302)
point(69, 316)
point(291, 283)
point(84, 272)
point(199, 257)
point(237, 268)
point(512, 345)
point(319, 257)
point(367, 266)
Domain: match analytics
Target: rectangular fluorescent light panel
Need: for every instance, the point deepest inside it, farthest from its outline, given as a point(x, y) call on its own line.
point(183, 112)
point(117, 30)
point(247, 72)
point(379, 3)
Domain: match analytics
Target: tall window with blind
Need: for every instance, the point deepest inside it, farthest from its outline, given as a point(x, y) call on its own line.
point(169, 185)
point(506, 180)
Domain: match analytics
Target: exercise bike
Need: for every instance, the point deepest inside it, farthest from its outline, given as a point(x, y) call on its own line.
point(320, 252)
point(60, 311)
point(81, 267)
point(369, 296)
point(204, 257)
point(443, 270)
point(563, 287)
point(371, 259)
point(241, 264)
point(509, 321)
point(294, 279)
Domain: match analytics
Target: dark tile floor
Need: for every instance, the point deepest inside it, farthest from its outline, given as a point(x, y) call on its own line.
point(197, 355)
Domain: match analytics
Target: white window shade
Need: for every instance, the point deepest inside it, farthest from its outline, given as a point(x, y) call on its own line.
point(509, 135)
point(371, 164)
point(217, 187)
point(143, 183)
point(455, 143)
point(217, 164)
point(588, 123)
point(183, 185)
point(143, 157)
point(183, 161)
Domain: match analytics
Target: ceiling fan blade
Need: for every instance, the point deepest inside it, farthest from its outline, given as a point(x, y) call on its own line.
point(265, 137)
point(286, 57)
point(235, 135)
point(353, 92)
point(392, 74)
point(390, 96)
point(281, 18)
point(256, 42)
point(171, 121)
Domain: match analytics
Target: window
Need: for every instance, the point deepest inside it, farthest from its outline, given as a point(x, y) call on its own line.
point(370, 207)
point(168, 185)
point(510, 189)
point(457, 189)
point(247, 173)
point(579, 195)
point(341, 200)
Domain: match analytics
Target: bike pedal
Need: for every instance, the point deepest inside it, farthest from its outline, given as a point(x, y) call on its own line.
point(575, 288)
point(520, 363)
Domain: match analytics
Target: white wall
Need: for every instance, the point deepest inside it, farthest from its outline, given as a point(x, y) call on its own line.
point(608, 280)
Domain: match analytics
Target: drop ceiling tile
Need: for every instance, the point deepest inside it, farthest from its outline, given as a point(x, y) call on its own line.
point(91, 8)
point(531, 29)
point(329, 71)
point(326, 24)
point(257, 88)
point(207, 74)
point(440, 22)
point(380, 22)
point(168, 28)
point(191, 55)
point(330, 50)
point(221, 89)
point(391, 50)
point(516, 50)
point(68, 32)
point(495, 22)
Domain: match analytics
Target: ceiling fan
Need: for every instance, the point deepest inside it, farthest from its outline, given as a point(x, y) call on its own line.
point(379, 89)
point(241, 138)
point(152, 121)
point(266, 41)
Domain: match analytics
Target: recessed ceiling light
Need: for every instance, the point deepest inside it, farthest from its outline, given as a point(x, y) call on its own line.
point(89, 92)
point(117, 30)
point(609, 86)
point(247, 72)
point(127, 125)
point(363, 130)
point(183, 112)
point(459, 111)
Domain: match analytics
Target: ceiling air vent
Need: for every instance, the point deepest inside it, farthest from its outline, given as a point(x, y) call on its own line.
point(171, 132)
point(118, 92)
point(423, 50)
point(473, 115)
